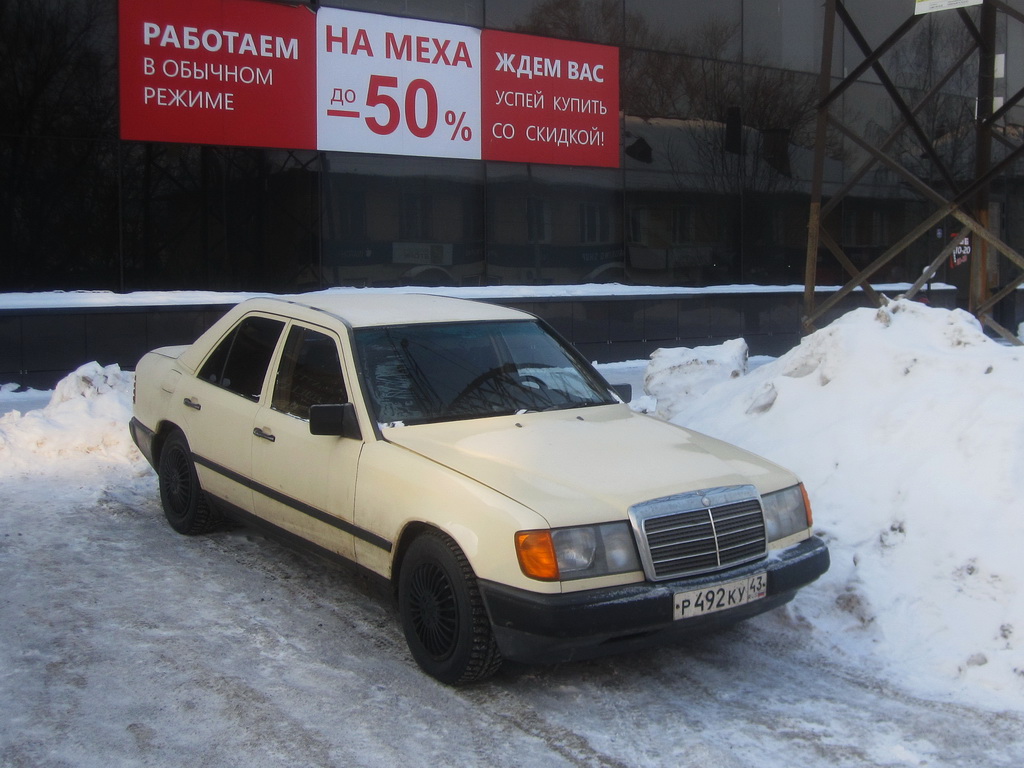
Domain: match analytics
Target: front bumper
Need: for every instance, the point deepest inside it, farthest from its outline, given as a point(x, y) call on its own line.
point(532, 627)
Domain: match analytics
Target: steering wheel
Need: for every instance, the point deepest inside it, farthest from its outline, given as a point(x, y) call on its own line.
point(498, 386)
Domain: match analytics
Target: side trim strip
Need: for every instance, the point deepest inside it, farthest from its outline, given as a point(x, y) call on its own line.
point(288, 501)
point(378, 582)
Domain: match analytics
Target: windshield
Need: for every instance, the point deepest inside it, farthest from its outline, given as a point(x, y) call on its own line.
point(444, 371)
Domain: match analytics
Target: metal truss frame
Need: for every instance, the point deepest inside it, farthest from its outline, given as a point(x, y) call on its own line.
point(966, 202)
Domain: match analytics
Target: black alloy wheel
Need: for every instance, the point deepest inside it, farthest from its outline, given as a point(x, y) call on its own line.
point(432, 610)
point(443, 615)
point(185, 505)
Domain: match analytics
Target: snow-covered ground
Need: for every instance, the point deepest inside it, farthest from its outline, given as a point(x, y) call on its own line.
point(79, 299)
point(122, 643)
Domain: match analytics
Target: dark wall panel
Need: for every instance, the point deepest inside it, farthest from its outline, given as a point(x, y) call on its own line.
point(39, 347)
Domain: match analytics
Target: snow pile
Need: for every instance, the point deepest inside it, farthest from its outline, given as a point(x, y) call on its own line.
point(87, 415)
point(674, 375)
point(907, 425)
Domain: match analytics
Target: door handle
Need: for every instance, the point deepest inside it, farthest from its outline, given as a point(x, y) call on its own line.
point(265, 435)
point(190, 403)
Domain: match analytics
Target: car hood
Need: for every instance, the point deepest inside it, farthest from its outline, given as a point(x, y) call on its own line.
point(588, 465)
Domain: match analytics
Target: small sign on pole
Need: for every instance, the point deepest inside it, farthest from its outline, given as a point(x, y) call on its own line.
point(962, 252)
point(931, 6)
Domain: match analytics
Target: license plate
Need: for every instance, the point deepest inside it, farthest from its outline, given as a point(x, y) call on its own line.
point(700, 602)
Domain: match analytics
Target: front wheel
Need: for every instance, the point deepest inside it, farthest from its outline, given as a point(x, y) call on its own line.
point(443, 615)
point(185, 505)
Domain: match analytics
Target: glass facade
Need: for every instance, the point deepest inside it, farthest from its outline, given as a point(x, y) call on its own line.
point(717, 131)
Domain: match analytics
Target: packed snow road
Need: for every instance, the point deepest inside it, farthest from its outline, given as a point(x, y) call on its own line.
point(122, 643)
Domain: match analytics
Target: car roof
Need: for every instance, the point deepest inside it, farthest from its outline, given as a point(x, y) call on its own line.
point(361, 310)
point(357, 310)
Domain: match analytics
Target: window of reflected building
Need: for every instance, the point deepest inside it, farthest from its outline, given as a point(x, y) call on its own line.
point(401, 221)
point(553, 224)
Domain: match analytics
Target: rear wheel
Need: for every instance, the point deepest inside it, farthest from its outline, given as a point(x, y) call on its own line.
point(443, 615)
point(185, 505)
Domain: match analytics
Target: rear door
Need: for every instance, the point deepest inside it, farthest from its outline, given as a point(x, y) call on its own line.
point(221, 403)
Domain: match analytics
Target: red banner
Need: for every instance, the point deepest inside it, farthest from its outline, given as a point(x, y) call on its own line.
point(229, 72)
point(549, 101)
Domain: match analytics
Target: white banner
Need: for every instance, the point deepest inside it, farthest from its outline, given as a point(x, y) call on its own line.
point(397, 86)
point(930, 6)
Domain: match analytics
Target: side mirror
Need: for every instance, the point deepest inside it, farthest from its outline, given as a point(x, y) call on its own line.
point(624, 391)
point(337, 419)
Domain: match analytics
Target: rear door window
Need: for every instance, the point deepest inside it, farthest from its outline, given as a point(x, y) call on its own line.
point(239, 363)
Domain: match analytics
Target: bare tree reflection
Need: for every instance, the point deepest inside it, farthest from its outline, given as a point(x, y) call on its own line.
point(58, 151)
point(714, 124)
point(948, 117)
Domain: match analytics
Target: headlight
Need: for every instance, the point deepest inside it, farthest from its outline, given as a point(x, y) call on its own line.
point(577, 553)
point(787, 512)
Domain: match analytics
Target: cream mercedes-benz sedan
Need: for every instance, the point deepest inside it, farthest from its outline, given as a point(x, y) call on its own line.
point(462, 452)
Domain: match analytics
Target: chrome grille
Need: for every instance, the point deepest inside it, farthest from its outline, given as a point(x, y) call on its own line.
point(699, 532)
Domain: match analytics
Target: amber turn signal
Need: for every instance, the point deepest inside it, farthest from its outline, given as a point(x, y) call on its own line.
point(536, 553)
point(807, 506)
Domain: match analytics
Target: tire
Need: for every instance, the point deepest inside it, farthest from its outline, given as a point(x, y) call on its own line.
point(443, 615)
point(185, 505)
